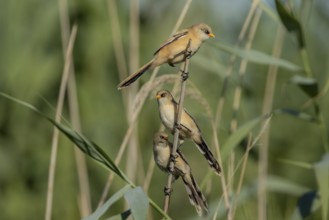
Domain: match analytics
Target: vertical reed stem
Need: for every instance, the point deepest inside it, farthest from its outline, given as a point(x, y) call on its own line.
point(177, 125)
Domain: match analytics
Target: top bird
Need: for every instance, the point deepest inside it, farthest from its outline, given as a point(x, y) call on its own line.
point(174, 50)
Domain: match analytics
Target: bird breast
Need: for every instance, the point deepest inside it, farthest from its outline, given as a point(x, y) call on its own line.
point(168, 116)
point(162, 157)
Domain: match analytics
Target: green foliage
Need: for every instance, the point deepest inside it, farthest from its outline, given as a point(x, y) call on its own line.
point(260, 57)
point(32, 61)
point(308, 85)
point(312, 201)
point(237, 137)
point(100, 211)
point(322, 177)
point(290, 22)
point(137, 201)
point(139, 209)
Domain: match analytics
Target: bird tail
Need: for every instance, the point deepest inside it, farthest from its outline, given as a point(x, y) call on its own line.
point(209, 156)
point(133, 77)
point(196, 197)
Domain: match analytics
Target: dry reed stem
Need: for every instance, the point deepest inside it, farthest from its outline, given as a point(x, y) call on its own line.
point(133, 145)
point(267, 107)
point(119, 52)
point(80, 158)
point(264, 127)
point(237, 98)
point(192, 92)
point(244, 159)
point(149, 174)
point(243, 171)
point(156, 83)
point(221, 101)
point(83, 180)
point(121, 65)
point(59, 109)
point(137, 111)
point(140, 97)
point(229, 70)
point(176, 134)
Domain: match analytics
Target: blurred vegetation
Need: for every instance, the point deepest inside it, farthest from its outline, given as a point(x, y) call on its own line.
point(31, 66)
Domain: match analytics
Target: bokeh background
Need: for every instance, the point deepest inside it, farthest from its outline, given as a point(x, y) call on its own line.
point(32, 60)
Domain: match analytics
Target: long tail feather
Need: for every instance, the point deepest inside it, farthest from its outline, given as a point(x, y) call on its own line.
point(196, 197)
point(209, 156)
point(133, 77)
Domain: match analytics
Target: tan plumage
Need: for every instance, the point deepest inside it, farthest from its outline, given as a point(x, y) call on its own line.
point(173, 50)
point(189, 128)
point(162, 150)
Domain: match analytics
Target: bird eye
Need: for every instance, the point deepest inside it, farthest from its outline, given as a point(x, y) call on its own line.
point(163, 95)
point(207, 31)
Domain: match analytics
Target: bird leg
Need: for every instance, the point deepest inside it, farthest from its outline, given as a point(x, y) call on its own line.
point(187, 54)
point(188, 51)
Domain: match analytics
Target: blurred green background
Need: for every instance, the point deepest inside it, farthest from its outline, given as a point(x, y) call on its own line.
point(31, 66)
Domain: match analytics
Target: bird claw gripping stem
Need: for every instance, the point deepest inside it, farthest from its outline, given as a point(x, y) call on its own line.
point(178, 126)
point(184, 75)
point(173, 157)
point(167, 191)
point(188, 54)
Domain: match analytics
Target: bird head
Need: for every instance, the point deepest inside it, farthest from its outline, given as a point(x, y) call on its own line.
point(160, 138)
point(203, 31)
point(164, 97)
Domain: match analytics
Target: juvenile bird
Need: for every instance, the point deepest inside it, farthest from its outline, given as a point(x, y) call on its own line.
point(174, 50)
point(162, 151)
point(168, 108)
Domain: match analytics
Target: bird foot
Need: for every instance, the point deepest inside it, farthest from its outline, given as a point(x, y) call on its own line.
point(188, 54)
point(173, 157)
point(184, 75)
point(178, 126)
point(167, 191)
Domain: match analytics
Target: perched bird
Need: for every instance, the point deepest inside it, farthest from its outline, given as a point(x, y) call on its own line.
point(174, 50)
point(168, 108)
point(162, 151)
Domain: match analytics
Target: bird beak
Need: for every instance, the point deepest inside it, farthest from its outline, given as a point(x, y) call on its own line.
point(158, 97)
point(211, 35)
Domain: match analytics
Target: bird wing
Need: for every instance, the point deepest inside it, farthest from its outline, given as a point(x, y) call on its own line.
point(189, 120)
point(182, 156)
point(181, 167)
point(172, 39)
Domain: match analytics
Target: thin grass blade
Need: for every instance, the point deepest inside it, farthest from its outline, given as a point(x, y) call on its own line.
point(260, 57)
point(99, 212)
point(234, 139)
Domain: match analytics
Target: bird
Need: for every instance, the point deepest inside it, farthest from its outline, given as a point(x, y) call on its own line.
point(168, 108)
point(176, 49)
point(161, 152)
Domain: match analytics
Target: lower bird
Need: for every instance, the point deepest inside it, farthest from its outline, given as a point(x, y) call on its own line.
point(162, 151)
point(168, 108)
point(176, 49)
